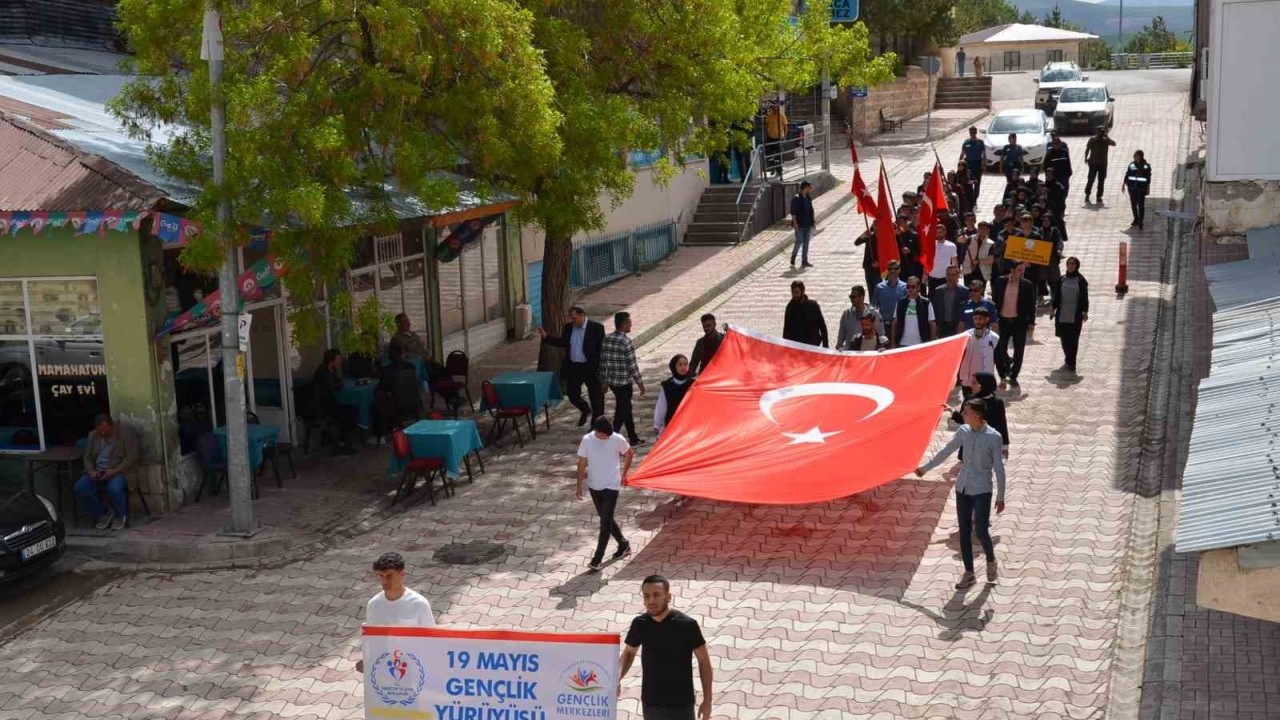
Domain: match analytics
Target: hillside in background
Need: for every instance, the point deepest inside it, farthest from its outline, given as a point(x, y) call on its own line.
point(1103, 18)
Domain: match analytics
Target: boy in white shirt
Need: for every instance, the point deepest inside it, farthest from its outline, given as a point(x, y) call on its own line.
point(604, 459)
point(396, 605)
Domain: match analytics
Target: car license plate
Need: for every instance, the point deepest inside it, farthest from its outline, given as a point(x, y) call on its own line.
point(1081, 121)
point(43, 546)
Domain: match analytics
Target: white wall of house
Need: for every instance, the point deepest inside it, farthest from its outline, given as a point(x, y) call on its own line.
point(1242, 188)
point(650, 203)
point(1033, 55)
point(1243, 102)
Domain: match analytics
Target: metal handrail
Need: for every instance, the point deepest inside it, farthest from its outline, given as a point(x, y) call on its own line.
point(751, 171)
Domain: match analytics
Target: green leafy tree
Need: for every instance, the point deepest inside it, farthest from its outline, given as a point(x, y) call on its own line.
point(968, 16)
point(1053, 18)
point(334, 106)
point(1156, 37)
point(670, 76)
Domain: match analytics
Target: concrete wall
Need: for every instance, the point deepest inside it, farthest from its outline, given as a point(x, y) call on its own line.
point(905, 97)
point(650, 203)
point(139, 375)
point(1234, 208)
point(1224, 585)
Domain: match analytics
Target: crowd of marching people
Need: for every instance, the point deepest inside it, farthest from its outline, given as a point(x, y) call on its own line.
point(933, 269)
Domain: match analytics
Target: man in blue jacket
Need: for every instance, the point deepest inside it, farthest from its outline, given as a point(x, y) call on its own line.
point(803, 222)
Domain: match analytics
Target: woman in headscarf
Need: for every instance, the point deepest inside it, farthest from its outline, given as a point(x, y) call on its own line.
point(1070, 311)
point(672, 393)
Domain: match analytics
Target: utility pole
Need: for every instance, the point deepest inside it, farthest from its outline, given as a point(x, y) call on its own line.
point(1120, 30)
point(826, 117)
point(233, 370)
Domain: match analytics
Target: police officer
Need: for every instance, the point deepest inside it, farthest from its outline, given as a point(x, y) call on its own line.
point(972, 152)
point(1137, 182)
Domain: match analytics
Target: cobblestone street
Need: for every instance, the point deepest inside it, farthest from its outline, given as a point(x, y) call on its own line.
point(840, 610)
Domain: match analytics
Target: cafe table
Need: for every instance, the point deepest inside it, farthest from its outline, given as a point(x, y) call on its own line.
point(359, 394)
point(527, 388)
point(452, 441)
point(260, 436)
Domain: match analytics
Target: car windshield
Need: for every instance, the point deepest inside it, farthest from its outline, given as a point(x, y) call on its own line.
point(1015, 124)
point(1059, 75)
point(1082, 95)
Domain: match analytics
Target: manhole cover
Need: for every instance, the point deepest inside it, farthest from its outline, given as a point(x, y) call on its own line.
point(472, 553)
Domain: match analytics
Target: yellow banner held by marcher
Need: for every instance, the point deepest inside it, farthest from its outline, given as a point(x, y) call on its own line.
point(1020, 249)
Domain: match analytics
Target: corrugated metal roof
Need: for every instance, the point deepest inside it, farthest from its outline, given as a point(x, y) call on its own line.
point(1231, 484)
point(40, 172)
point(1243, 282)
point(1020, 33)
point(77, 102)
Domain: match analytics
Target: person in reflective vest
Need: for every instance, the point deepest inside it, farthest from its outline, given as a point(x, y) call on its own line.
point(1137, 182)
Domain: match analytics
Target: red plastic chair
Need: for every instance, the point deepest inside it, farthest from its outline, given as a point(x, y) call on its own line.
point(501, 414)
point(414, 468)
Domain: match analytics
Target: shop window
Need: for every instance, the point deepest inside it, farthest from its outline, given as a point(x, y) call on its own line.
point(472, 265)
point(387, 269)
point(53, 373)
point(450, 276)
point(1053, 56)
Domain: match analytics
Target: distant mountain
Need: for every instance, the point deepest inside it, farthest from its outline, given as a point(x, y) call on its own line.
point(1103, 18)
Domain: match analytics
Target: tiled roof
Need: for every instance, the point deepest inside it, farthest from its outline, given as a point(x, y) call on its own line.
point(39, 171)
point(1018, 32)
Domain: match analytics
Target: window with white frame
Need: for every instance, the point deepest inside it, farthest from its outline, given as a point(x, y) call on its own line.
point(471, 283)
point(394, 274)
point(53, 373)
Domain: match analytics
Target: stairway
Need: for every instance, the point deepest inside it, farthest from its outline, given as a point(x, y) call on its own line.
point(719, 219)
point(965, 92)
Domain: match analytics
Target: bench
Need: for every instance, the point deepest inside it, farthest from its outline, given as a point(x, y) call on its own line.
point(890, 123)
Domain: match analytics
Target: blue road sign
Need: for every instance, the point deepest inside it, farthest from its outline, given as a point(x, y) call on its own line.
point(844, 11)
point(858, 91)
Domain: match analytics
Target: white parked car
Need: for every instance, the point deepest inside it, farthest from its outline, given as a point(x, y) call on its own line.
point(1084, 106)
point(1032, 128)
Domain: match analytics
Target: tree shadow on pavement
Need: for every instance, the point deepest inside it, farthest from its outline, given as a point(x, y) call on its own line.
point(870, 544)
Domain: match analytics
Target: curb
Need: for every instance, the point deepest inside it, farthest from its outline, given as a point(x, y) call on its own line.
point(1150, 528)
point(937, 133)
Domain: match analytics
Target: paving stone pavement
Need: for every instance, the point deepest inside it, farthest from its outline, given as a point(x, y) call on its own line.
point(843, 609)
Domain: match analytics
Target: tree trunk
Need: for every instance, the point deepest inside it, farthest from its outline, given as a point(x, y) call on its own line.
point(557, 253)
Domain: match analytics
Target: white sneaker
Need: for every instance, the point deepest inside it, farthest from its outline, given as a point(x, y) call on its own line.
point(119, 523)
point(104, 522)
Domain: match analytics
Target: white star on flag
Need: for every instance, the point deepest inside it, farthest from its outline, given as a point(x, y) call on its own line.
point(813, 436)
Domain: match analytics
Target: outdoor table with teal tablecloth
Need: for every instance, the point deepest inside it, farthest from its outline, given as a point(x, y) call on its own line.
point(449, 440)
point(534, 390)
point(361, 398)
point(260, 436)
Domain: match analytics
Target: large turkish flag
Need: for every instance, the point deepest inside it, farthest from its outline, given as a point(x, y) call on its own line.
point(777, 422)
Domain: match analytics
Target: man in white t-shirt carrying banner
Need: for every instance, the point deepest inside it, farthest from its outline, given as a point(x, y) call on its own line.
point(396, 605)
point(604, 459)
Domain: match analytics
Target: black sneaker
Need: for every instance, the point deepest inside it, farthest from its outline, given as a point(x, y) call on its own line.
point(595, 566)
point(806, 264)
point(623, 551)
point(636, 442)
point(793, 263)
point(582, 419)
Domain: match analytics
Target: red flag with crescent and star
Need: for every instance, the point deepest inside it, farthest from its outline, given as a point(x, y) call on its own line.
point(776, 422)
point(935, 199)
point(866, 204)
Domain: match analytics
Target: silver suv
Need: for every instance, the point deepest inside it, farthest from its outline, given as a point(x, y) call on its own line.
point(1051, 81)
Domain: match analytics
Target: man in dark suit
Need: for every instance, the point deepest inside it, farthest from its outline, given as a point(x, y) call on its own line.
point(582, 339)
point(1015, 298)
point(338, 420)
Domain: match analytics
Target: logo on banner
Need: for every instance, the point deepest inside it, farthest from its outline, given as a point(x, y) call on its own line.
point(398, 677)
point(588, 684)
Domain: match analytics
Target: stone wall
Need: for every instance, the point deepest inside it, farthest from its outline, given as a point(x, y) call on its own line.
point(905, 97)
point(1233, 208)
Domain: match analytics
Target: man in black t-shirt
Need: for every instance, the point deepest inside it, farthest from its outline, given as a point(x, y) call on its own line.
point(671, 639)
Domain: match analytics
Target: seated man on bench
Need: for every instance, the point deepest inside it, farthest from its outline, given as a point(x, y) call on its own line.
point(112, 454)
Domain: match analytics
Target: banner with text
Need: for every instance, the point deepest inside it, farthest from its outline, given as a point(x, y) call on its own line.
point(441, 674)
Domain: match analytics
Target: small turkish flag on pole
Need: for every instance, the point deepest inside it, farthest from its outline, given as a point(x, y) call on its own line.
point(886, 234)
point(934, 200)
point(778, 422)
point(866, 203)
point(853, 151)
